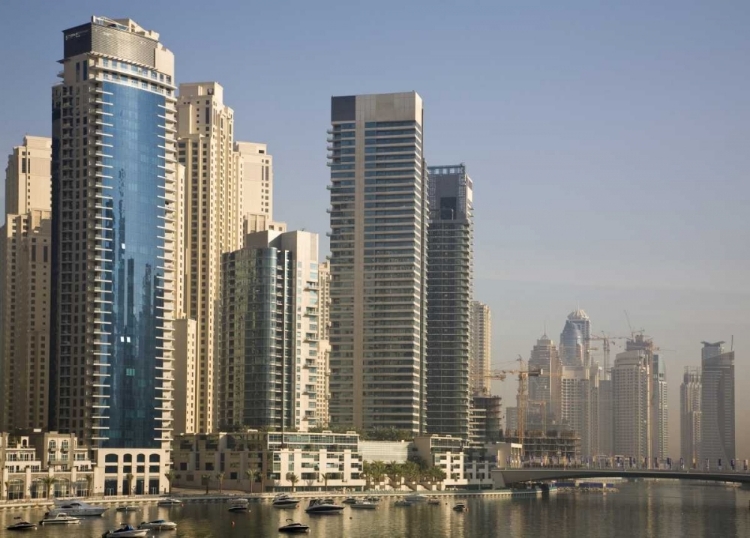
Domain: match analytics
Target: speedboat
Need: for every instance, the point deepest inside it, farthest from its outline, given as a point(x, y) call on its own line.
point(126, 509)
point(364, 505)
point(72, 507)
point(168, 501)
point(285, 501)
point(158, 525)
point(126, 531)
point(239, 505)
point(433, 500)
point(294, 528)
point(21, 526)
point(402, 502)
point(460, 507)
point(349, 500)
point(416, 498)
point(323, 506)
point(60, 519)
point(373, 499)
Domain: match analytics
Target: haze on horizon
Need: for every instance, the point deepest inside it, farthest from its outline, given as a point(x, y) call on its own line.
point(607, 144)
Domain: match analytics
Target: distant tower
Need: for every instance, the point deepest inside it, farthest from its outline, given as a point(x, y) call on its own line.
point(717, 405)
point(547, 387)
point(630, 394)
point(690, 416)
point(481, 348)
point(659, 409)
point(574, 340)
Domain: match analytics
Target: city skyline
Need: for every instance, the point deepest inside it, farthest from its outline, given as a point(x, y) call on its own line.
point(718, 314)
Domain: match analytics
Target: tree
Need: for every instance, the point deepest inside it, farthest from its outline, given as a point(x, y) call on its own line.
point(206, 481)
point(49, 482)
point(293, 478)
point(170, 476)
point(220, 479)
point(324, 477)
point(5, 490)
point(129, 477)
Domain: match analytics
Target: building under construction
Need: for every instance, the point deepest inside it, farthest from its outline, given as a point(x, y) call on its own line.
point(550, 447)
point(486, 419)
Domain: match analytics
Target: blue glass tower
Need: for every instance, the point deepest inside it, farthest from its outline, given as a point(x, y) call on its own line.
point(113, 195)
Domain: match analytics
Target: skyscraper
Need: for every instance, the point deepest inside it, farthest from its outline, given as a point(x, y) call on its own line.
point(580, 405)
point(324, 348)
point(659, 409)
point(213, 224)
point(581, 320)
point(269, 333)
point(481, 348)
point(690, 416)
point(379, 212)
point(25, 287)
point(113, 197)
point(571, 344)
point(717, 406)
point(631, 401)
point(256, 188)
point(449, 288)
point(547, 387)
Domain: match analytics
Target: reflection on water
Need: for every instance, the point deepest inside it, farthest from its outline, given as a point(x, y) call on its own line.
point(643, 509)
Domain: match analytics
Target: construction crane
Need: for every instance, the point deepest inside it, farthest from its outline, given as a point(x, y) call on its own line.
point(606, 346)
point(523, 374)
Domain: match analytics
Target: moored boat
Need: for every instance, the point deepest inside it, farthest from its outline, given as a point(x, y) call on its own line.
point(416, 498)
point(126, 531)
point(285, 501)
point(433, 500)
point(76, 508)
point(349, 500)
point(239, 505)
point(60, 519)
point(158, 525)
point(21, 526)
point(126, 509)
point(294, 528)
point(402, 502)
point(323, 506)
point(460, 507)
point(169, 501)
point(364, 505)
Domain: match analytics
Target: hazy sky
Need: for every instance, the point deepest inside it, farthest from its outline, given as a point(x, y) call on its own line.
point(608, 144)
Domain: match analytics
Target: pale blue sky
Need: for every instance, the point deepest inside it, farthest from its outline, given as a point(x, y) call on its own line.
point(608, 144)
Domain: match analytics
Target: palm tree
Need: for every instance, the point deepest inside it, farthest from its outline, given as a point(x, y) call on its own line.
point(170, 476)
point(220, 479)
point(129, 477)
point(206, 481)
point(90, 484)
point(293, 478)
point(49, 481)
point(252, 476)
point(4, 492)
point(324, 477)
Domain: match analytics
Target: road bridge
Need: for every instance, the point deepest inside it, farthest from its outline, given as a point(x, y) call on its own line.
point(508, 477)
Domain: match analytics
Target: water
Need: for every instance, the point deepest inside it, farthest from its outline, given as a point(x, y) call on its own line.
point(643, 509)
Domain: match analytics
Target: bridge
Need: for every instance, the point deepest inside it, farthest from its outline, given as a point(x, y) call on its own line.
point(508, 477)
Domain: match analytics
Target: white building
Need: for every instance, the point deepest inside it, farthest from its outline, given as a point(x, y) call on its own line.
point(580, 405)
point(659, 409)
point(481, 348)
point(631, 400)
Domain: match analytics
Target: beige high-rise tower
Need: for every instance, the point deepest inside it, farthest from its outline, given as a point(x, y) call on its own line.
point(324, 347)
point(25, 255)
point(481, 348)
point(205, 130)
point(256, 188)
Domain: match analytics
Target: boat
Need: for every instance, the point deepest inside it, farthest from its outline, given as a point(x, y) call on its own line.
point(285, 501)
point(460, 507)
point(169, 501)
point(433, 500)
point(126, 531)
point(294, 528)
point(323, 506)
point(416, 498)
point(76, 508)
point(373, 499)
point(21, 526)
point(364, 505)
point(60, 519)
point(239, 505)
point(402, 502)
point(158, 525)
point(349, 500)
point(126, 509)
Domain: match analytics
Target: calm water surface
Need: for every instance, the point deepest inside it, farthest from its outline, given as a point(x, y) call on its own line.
point(644, 509)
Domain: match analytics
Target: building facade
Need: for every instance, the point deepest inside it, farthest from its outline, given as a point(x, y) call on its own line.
point(717, 408)
point(25, 256)
point(631, 401)
point(113, 232)
point(690, 416)
point(546, 389)
point(379, 211)
point(571, 345)
point(449, 288)
point(580, 406)
point(659, 409)
point(324, 347)
point(481, 348)
point(269, 333)
point(256, 187)
point(213, 224)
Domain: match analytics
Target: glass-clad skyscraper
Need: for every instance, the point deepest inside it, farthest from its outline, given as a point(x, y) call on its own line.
point(113, 197)
point(379, 212)
point(449, 290)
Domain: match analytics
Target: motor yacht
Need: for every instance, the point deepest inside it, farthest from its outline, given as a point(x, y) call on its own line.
point(75, 508)
point(402, 502)
point(60, 519)
point(323, 506)
point(126, 531)
point(460, 507)
point(285, 501)
point(158, 525)
point(434, 501)
point(239, 505)
point(126, 509)
point(294, 528)
point(21, 526)
point(364, 505)
point(168, 501)
point(349, 500)
point(416, 498)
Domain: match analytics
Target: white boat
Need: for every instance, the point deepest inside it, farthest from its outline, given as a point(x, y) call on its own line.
point(60, 519)
point(323, 506)
point(126, 509)
point(285, 501)
point(434, 501)
point(158, 525)
point(416, 498)
point(363, 505)
point(239, 505)
point(75, 508)
point(168, 501)
point(126, 531)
